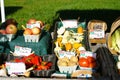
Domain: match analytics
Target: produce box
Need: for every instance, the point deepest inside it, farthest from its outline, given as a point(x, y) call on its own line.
point(42, 47)
point(77, 39)
point(42, 63)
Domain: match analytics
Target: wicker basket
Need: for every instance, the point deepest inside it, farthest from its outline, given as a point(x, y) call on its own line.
point(114, 26)
point(91, 24)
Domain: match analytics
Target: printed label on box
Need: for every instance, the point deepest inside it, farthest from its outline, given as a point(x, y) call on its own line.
point(22, 51)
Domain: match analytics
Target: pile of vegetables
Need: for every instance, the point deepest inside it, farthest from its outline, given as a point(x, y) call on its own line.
point(115, 38)
point(69, 40)
point(35, 61)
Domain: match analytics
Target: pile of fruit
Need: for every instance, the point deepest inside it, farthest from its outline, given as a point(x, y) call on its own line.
point(8, 30)
point(10, 27)
point(33, 30)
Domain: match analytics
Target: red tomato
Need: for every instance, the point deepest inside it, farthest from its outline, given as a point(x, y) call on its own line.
point(92, 65)
point(83, 62)
point(91, 59)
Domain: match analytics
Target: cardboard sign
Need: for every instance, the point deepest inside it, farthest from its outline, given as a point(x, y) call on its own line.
point(70, 23)
point(22, 51)
point(15, 68)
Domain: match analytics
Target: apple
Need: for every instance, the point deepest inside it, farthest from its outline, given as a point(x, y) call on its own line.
point(27, 31)
point(2, 31)
point(36, 30)
point(11, 29)
point(31, 21)
point(41, 23)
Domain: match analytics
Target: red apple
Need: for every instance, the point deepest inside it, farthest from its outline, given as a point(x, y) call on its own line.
point(31, 21)
point(41, 23)
point(28, 31)
point(11, 29)
point(36, 30)
point(2, 31)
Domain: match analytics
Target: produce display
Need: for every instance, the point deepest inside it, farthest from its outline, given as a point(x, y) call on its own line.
point(9, 31)
point(71, 51)
point(70, 57)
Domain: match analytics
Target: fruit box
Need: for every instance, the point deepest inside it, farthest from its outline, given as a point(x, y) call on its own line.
point(6, 37)
point(32, 38)
point(67, 69)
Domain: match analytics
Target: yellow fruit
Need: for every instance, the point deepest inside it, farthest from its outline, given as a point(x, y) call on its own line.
point(77, 45)
point(80, 30)
point(68, 46)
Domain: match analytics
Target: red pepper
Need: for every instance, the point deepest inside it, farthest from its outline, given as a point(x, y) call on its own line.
point(35, 60)
point(44, 63)
point(41, 67)
point(49, 64)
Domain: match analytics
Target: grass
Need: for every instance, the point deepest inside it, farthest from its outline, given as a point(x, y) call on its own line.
point(49, 11)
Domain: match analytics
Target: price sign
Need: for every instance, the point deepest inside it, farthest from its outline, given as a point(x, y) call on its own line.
point(15, 68)
point(37, 24)
point(70, 23)
point(97, 34)
point(22, 51)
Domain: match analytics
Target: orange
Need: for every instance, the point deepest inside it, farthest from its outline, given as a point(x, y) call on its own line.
point(80, 29)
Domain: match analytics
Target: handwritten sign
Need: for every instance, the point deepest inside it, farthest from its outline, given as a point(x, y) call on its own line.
point(15, 68)
point(22, 51)
point(97, 34)
point(37, 24)
point(70, 23)
point(63, 54)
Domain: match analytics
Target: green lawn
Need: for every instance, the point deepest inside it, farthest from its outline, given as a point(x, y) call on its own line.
point(49, 11)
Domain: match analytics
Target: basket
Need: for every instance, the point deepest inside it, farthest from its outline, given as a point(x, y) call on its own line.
point(32, 38)
point(91, 24)
point(58, 25)
point(67, 69)
point(6, 37)
point(114, 26)
point(96, 25)
point(93, 38)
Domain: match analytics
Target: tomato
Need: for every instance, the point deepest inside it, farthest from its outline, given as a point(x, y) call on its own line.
point(91, 59)
point(83, 62)
point(92, 65)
